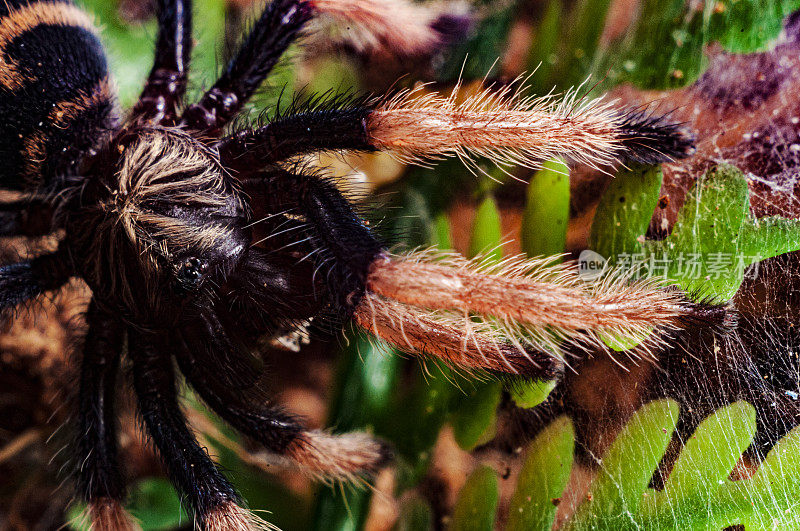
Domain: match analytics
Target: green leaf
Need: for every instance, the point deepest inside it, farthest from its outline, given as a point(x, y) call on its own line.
point(543, 477)
point(153, 502)
point(715, 225)
point(544, 233)
point(708, 231)
point(442, 237)
point(474, 58)
point(627, 467)
point(426, 408)
point(703, 466)
point(531, 394)
point(580, 31)
point(156, 505)
point(477, 502)
point(698, 493)
point(486, 234)
point(624, 211)
point(475, 420)
point(544, 221)
point(474, 417)
point(130, 47)
point(543, 54)
point(773, 491)
point(366, 382)
point(665, 49)
point(714, 238)
point(621, 221)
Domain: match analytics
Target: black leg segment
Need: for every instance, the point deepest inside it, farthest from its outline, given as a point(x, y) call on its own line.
point(272, 34)
point(188, 465)
point(345, 457)
point(297, 134)
point(348, 246)
point(99, 476)
point(166, 84)
point(23, 281)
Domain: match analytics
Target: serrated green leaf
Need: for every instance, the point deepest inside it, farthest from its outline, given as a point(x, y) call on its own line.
point(627, 467)
point(771, 494)
point(708, 231)
point(543, 477)
point(477, 502)
point(715, 226)
point(698, 494)
point(703, 467)
point(544, 220)
point(712, 242)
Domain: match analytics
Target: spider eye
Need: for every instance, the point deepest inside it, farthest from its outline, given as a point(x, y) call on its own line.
point(191, 272)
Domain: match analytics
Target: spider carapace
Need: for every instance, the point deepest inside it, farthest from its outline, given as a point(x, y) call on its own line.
point(195, 244)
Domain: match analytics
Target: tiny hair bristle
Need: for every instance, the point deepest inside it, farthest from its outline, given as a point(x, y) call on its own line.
point(230, 516)
point(511, 128)
point(106, 514)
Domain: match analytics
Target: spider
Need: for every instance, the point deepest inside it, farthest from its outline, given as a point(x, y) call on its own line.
point(179, 227)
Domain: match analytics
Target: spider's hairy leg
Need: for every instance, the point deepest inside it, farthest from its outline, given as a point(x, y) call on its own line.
point(210, 495)
point(353, 250)
point(26, 217)
point(100, 481)
point(454, 341)
point(271, 35)
point(501, 124)
point(347, 457)
point(166, 84)
point(298, 133)
point(541, 302)
point(23, 281)
point(339, 232)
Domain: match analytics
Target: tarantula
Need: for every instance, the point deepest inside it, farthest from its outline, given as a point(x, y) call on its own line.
point(174, 226)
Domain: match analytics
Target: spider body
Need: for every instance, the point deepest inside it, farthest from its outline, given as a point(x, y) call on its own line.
point(168, 209)
point(163, 216)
